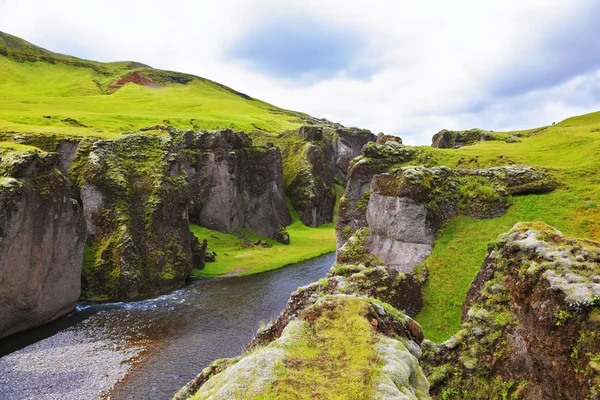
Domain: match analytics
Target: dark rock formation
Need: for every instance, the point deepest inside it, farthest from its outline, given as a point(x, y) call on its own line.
point(348, 145)
point(311, 187)
point(446, 139)
point(530, 324)
point(135, 205)
point(313, 164)
point(42, 233)
point(234, 185)
point(382, 138)
point(376, 159)
point(139, 194)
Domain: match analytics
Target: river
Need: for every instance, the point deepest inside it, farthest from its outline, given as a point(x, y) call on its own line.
point(149, 348)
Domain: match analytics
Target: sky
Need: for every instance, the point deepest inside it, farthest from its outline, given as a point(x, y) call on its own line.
point(405, 68)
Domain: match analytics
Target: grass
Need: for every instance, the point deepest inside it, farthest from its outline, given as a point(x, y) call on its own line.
point(59, 98)
point(334, 358)
point(235, 259)
point(571, 149)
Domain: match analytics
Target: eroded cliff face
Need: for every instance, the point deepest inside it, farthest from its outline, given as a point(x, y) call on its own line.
point(232, 184)
point(530, 323)
point(139, 194)
point(42, 233)
point(315, 163)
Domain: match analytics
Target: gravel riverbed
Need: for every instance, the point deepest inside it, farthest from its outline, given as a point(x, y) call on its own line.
point(73, 365)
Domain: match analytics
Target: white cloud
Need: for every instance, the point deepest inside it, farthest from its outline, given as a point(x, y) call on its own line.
point(438, 60)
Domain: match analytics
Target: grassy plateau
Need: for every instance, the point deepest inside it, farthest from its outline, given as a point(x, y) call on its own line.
point(571, 151)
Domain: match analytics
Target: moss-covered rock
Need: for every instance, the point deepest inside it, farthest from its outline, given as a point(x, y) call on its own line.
point(335, 345)
point(140, 192)
point(529, 327)
point(446, 139)
point(407, 206)
point(42, 233)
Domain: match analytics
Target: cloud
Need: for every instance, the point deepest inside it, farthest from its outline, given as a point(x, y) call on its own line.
point(564, 47)
point(398, 66)
point(301, 47)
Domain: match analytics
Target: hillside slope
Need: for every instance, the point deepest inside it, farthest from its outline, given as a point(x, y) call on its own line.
point(570, 150)
point(42, 91)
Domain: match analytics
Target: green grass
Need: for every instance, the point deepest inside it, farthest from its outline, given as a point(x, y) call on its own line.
point(39, 97)
point(571, 150)
point(334, 358)
point(235, 260)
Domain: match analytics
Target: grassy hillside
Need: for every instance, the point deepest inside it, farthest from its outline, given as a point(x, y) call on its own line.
point(571, 149)
point(44, 92)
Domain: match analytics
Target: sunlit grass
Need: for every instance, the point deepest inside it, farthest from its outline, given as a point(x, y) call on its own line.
point(571, 150)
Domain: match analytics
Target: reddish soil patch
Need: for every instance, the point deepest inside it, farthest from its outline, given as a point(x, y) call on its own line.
point(134, 77)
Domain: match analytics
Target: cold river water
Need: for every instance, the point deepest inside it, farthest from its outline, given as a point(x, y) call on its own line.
point(149, 348)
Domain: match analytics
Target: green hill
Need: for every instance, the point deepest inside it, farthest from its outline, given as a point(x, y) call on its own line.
point(571, 150)
point(43, 92)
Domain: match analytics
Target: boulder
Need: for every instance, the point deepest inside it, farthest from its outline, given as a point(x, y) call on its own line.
point(42, 232)
point(446, 139)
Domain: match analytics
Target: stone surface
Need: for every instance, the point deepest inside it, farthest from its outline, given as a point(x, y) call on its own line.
point(234, 185)
point(140, 193)
point(312, 191)
point(405, 208)
point(42, 232)
point(349, 144)
point(376, 159)
point(397, 374)
point(529, 326)
point(446, 139)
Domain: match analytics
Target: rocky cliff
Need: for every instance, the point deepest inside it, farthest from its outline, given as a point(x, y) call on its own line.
point(530, 323)
point(139, 194)
point(42, 233)
point(314, 163)
point(446, 139)
point(232, 184)
point(405, 208)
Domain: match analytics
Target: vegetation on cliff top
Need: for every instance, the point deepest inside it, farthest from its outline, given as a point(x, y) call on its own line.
point(571, 151)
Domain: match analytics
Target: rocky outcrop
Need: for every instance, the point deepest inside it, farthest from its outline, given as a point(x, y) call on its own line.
point(42, 233)
point(405, 208)
point(382, 138)
point(375, 159)
point(349, 145)
point(310, 186)
point(135, 205)
point(446, 139)
point(232, 184)
point(139, 194)
point(314, 161)
point(347, 333)
point(530, 323)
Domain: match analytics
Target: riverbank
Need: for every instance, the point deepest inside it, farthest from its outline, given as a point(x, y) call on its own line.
point(151, 348)
point(245, 253)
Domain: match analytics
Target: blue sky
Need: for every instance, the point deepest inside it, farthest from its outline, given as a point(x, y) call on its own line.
point(402, 67)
